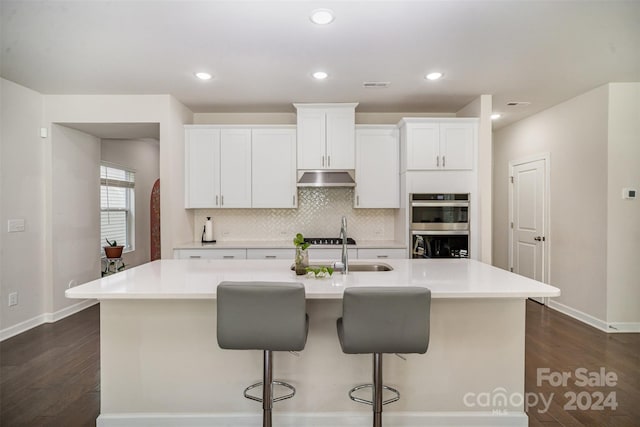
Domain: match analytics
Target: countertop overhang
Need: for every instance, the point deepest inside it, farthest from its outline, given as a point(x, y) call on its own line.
point(198, 279)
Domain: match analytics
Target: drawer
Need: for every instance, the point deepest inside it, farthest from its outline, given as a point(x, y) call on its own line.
point(271, 254)
point(330, 254)
point(210, 253)
point(382, 253)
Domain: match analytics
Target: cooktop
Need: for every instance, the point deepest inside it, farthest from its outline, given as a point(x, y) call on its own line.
point(328, 241)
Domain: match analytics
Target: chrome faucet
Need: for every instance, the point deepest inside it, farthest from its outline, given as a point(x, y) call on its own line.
point(344, 261)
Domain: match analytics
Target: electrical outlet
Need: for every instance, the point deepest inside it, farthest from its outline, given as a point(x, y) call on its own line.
point(13, 299)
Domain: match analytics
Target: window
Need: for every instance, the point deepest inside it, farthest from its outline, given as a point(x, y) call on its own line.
point(116, 205)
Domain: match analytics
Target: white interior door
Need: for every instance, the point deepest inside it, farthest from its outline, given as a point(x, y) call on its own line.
point(529, 242)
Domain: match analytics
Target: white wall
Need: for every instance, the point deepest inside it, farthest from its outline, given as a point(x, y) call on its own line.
point(142, 156)
point(481, 108)
point(575, 134)
point(76, 203)
point(623, 231)
point(22, 266)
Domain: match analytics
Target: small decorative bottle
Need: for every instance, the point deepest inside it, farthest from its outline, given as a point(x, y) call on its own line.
point(301, 261)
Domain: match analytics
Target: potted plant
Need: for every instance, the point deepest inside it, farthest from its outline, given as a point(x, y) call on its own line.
point(113, 250)
point(302, 256)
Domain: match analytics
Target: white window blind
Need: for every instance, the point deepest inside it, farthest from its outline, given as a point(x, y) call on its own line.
point(116, 205)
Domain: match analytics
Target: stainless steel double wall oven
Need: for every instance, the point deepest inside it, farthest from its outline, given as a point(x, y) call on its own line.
point(439, 225)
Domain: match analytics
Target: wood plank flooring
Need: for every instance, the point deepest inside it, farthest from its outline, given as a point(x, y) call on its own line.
point(50, 375)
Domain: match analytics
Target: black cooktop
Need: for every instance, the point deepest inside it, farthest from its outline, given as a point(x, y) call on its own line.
point(328, 241)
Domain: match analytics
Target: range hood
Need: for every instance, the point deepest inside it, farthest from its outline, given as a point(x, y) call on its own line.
point(326, 178)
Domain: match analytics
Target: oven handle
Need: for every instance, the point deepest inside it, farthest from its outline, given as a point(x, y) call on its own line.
point(439, 204)
point(440, 232)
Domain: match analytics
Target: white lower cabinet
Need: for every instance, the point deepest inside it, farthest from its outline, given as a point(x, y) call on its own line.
point(210, 253)
point(271, 254)
point(382, 253)
point(330, 254)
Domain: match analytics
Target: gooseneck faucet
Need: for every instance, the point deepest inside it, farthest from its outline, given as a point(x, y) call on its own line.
point(345, 254)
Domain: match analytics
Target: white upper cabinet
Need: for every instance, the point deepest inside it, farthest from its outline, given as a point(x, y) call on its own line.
point(217, 168)
point(377, 167)
point(273, 160)
point(438, 144)
point(326, 136)
point(235, 168)
point(240, 167)
point(202, 175)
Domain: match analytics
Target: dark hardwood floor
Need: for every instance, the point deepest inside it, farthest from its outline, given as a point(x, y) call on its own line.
point(50, 375)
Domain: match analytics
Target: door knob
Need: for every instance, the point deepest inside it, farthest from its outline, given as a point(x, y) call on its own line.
point(539, 239)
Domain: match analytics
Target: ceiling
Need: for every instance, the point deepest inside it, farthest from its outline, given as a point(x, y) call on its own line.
point(262, 53)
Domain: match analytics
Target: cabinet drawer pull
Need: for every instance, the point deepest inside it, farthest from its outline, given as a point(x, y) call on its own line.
point(270, 256)
point(383, 256)
point(437, 161)
point(195, 256)
point(322, 161)
point(443, 161)
point(328, 161)
point(216, 200)
point(228, 256)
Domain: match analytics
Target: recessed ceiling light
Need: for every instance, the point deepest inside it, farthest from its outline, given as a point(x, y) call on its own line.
point(434, 76)
point(322, 16)
point(320, 75)
point(496, 116)
point(203, 76)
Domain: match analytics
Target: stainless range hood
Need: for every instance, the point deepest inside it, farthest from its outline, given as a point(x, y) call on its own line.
point(326, 178)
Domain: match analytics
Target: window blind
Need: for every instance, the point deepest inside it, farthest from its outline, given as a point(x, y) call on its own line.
point(116, 205)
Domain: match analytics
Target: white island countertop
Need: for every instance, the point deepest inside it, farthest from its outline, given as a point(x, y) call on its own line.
point(199, 278)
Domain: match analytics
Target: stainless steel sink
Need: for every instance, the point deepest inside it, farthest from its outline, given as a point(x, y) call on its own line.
point(369, 267)
point(359, 267)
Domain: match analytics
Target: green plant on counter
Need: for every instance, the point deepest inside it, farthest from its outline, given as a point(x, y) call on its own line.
point(299, 242)
point(320, 271)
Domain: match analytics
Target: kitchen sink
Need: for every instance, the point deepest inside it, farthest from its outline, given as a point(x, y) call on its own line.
point(359, 267)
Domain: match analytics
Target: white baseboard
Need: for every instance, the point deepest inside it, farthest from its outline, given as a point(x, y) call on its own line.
point(579, 315)
point(624, 327)
point(342, 419)
point(612, 327)
point(21, 327)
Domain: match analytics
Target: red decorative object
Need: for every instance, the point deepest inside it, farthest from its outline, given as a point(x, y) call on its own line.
point(154, 212)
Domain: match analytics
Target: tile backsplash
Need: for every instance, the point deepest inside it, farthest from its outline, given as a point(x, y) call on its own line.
point(318, 215)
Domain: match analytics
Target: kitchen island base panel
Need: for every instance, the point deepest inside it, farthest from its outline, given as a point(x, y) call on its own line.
point(342, 419)
point(161, 357)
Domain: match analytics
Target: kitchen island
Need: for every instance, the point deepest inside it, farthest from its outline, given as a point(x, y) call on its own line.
point(161, 365)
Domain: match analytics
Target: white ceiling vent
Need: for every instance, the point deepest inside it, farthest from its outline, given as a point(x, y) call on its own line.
point(518, 103)
point(375, 84)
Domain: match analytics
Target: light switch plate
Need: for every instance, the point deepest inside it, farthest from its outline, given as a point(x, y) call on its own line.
point(15, 225)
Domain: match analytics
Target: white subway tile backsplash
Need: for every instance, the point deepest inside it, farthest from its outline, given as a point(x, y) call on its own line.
point(318, 215)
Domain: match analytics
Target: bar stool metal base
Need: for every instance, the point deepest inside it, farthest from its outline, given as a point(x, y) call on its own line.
point(370, 402)
point(267, 384)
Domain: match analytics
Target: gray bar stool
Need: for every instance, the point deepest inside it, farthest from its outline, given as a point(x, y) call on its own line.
point(383, 320)
point(265, 316)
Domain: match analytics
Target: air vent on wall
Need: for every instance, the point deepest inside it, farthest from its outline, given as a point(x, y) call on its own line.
point(375, 84)
point(518, 103)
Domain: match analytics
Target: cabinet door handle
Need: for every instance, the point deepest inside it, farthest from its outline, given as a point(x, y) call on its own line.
point(270, 256)
point(221, 200)
point(195, 256)
point(437, 161)
point(216, 200)
point(294, 200)
point(383, 256)
point(228, 257)
point(328, 161)
point(322, 161)
point(443, 160)
point(357, 200)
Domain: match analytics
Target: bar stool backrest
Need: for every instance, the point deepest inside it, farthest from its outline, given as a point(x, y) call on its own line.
point(385, 320)
point(261, 316)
